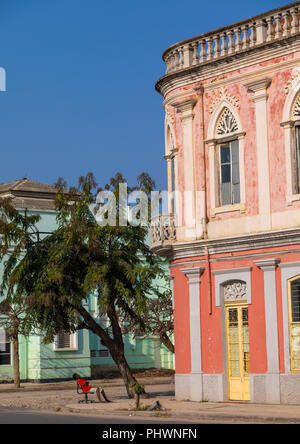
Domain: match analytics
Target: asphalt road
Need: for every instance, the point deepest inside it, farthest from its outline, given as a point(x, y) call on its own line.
point(12, 415)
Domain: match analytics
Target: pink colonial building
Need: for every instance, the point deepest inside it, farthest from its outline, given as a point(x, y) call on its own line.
point(232, 235)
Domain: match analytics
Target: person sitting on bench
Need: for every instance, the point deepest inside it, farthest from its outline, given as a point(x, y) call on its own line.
point(87, 388)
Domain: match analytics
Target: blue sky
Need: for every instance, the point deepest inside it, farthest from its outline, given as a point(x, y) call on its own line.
point(80, 82)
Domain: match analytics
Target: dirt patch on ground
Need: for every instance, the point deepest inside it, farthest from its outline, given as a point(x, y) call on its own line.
point(60, 398)
point(153, 373)
point(139, 373)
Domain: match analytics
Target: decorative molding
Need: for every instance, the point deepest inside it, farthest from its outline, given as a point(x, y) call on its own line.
point(256, 241)
point(267, 264)
point(296, 108)
point(291, 83)
point(235, 291)
point(252, 255)
point(227, 123)
point(226, 277)
point(193, 274)
point(169, 115)
point(198, 73)
point(259, 88)
point(221, 96)
point(258, 85)
point(170, 144)
point(186, 108)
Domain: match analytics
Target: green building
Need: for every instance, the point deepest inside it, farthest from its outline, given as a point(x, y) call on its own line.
point(82, 351)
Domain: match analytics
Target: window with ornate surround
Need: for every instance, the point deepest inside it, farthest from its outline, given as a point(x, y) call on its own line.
point(235, 291)
point(226, 161)
point(294, 322)
point(171, 157)
point(291, 126)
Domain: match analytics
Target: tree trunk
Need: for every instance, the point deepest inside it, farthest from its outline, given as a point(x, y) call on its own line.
point(126, 373)
point(115, 346)
point(16, 361)
point(167, 342)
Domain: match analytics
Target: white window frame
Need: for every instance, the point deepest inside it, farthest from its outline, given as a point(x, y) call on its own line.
point(73, 342)
point(214, 141)
point(171, 156)
point(289, 121)
point(219, 146)
point(10, 351)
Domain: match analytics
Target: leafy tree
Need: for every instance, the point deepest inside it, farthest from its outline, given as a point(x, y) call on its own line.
point(15, 320)
point(56, 275)
point(16, 230)
point(156, 319)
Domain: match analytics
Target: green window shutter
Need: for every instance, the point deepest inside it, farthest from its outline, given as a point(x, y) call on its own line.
point(225, 185)
point(235, 179)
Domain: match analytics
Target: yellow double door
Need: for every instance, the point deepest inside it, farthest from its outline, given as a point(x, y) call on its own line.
point(238, 352)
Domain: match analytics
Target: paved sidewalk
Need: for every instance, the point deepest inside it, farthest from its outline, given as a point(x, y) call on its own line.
point(62, 397)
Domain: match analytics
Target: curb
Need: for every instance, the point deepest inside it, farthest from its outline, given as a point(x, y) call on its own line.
point(186, 417)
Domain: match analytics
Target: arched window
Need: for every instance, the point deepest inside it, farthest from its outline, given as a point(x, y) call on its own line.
point(291, 125)
point(228, 159)
point(296, 146)
point(225, 140)
point(294, 322)
point(171, 152)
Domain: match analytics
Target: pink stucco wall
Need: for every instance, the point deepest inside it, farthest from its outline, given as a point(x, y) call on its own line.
point(246, 111)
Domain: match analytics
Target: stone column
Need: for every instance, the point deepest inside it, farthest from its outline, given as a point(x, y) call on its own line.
point(259, 87)
point(213, 179)
point(196, 384)
point(268, 266)
point(187, 116)
point(200, 167)
point(172, 193)
point(288, 135)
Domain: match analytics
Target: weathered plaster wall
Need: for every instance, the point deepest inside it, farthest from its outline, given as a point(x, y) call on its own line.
point(279, 70)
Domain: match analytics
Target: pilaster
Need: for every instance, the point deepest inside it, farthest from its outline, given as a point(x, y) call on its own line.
point(259, 88)
point(186, 107)
point(196, 381)
point(268, 266)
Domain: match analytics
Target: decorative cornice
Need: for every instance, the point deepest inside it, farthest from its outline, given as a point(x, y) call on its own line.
point(212, 142)
point(186, 105)
point(257, 241)
point(258, 85)
point(287, 124)
point(261, 53)
point(267, 264)
point(259, 88)
point(193, 274)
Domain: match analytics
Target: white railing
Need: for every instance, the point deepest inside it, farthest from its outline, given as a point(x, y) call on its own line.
point(163, 230)
point(271, 26)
